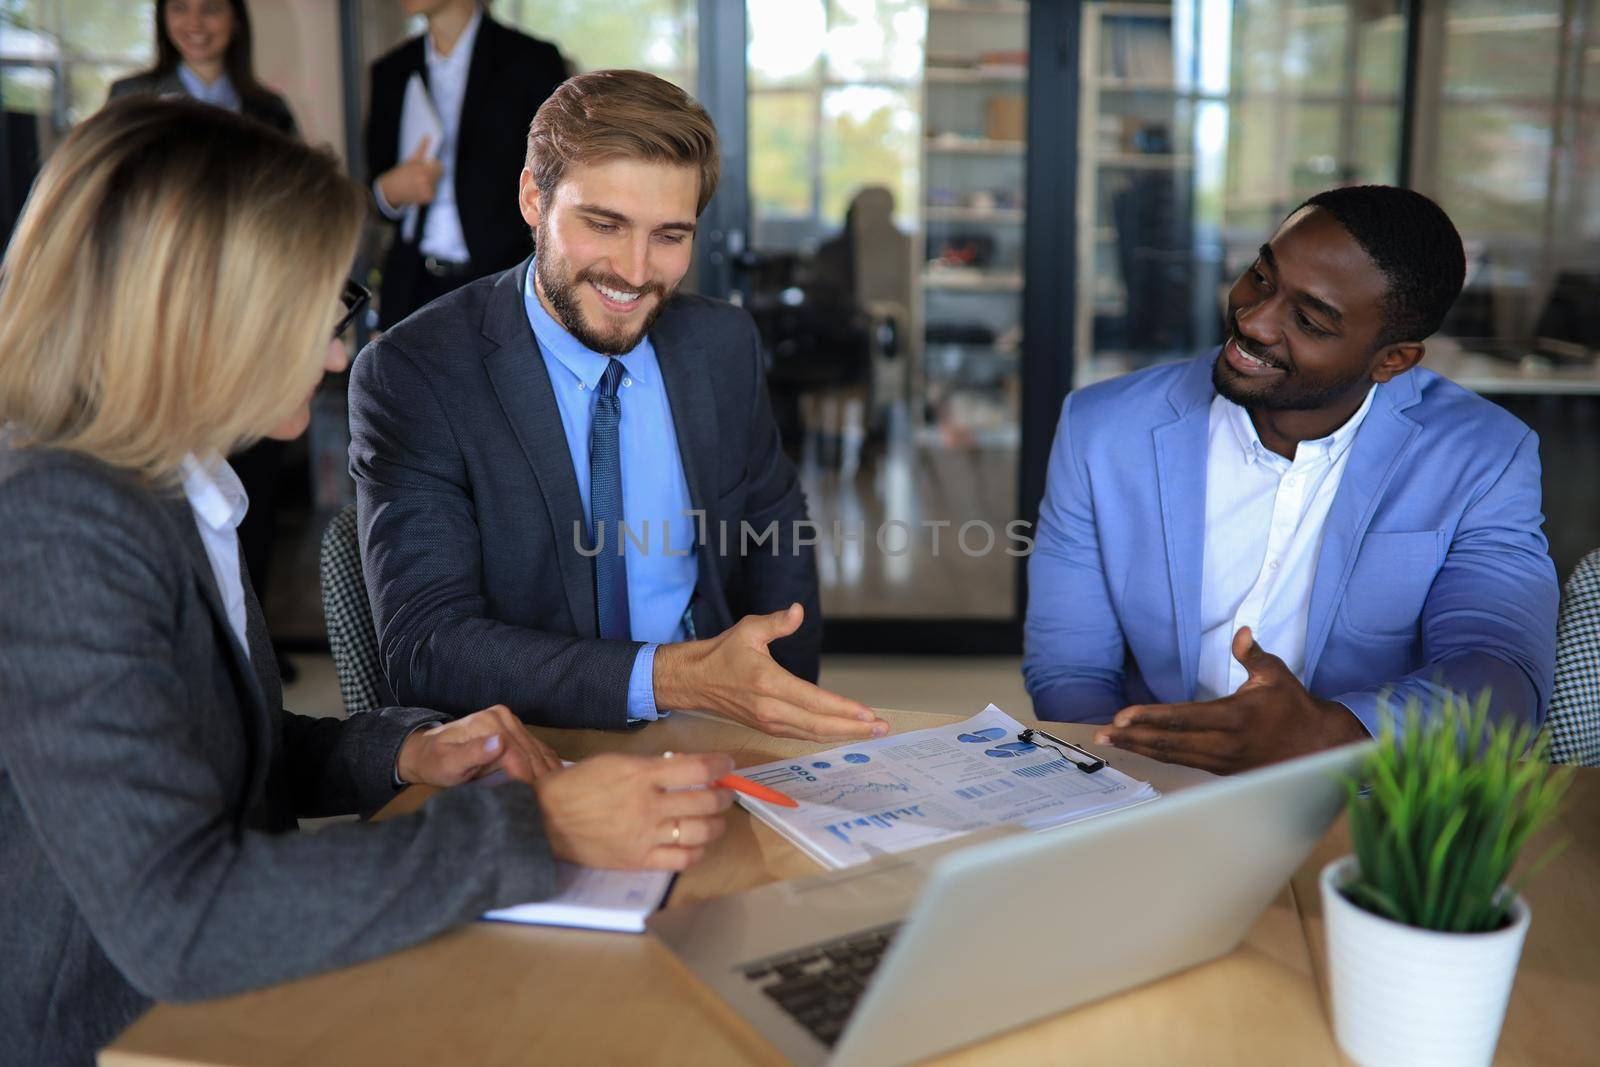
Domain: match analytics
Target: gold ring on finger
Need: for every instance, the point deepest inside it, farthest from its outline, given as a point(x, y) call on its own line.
point(677, 831)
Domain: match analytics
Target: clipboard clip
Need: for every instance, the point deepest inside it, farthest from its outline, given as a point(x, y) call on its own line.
point(1031, 737)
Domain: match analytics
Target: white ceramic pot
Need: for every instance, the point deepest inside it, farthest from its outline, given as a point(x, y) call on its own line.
point(1408, 997)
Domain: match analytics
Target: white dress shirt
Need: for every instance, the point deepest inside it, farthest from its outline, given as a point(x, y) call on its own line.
point(442, 236)
point(1264, 523)
point(218, 500)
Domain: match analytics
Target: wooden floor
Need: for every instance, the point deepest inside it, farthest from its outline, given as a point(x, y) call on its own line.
point(928, 492)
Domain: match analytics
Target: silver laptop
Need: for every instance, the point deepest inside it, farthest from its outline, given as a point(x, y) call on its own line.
point(918, 953)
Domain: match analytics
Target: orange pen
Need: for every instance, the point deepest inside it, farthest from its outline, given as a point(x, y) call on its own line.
point(755, 789)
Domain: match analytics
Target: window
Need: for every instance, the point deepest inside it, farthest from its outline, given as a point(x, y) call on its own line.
point(834, 106)
point(1510, 153)
point(58, 58)
point(886, 158)
point(1211, 120)
point(653, 35)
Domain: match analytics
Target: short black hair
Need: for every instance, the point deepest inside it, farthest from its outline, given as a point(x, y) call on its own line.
point(1413, 242)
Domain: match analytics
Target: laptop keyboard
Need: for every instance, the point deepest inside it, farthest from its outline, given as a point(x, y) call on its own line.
point(819, 986)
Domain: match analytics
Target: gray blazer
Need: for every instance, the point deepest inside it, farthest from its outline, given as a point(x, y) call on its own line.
point(468, 503)
point(150, 782)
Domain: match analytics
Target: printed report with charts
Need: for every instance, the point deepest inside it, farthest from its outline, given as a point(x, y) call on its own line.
point(909, 790)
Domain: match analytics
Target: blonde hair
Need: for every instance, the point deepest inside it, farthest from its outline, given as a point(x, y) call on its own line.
point(621, 114)
point(171, 285)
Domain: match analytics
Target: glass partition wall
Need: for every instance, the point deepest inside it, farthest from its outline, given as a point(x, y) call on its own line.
point(1508, 141)
point(887, 157)
point(1202, 124)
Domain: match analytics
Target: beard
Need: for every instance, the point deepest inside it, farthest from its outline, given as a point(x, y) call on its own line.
point(561, 288)
point(1290, 393)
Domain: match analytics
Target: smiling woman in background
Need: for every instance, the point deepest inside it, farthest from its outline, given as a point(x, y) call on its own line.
point(168, 296)
point(203, 51)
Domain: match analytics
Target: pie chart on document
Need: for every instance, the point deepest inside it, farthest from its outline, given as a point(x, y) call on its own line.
point(1010, 749)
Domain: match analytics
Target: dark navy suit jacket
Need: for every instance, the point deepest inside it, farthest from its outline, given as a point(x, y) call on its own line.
point(468, 505)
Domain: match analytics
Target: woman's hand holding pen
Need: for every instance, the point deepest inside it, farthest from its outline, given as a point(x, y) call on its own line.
point(635, 812)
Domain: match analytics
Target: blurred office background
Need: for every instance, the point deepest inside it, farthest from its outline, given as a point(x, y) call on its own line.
point(945, 214)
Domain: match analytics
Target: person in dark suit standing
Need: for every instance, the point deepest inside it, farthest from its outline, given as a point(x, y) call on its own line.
point(150, 780)
point(454, 204)
point(569, 479)
point(203, 51)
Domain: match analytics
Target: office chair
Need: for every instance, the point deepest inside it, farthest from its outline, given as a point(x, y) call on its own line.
point(351, 636)
point(1574, 716)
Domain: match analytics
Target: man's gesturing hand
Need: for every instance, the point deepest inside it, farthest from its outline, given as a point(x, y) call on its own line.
point(635, 812)
point(735, 676)
point(1270, 717)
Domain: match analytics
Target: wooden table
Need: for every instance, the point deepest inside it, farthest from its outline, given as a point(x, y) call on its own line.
point(493, 993)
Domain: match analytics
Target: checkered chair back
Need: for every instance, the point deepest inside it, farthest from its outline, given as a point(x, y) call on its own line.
point(1574, 717)
point(351, 637)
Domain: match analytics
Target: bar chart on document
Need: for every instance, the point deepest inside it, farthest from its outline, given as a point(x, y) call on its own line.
point(906, 791)
point(859, 786)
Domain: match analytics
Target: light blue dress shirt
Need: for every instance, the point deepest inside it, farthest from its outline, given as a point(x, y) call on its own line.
point(655, 493)
point(220, 93)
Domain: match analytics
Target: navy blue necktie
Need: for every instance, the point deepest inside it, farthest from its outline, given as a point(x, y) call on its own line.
point(605, 509)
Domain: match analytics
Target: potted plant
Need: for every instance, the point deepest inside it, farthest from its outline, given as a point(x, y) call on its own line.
point(1423, 928)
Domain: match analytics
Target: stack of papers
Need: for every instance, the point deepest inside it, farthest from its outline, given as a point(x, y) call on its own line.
point(909, 790)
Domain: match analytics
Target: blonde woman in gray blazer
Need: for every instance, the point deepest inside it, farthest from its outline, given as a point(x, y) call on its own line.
point(167, 297)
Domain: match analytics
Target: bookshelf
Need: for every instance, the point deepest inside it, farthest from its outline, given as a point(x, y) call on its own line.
point(967, 374)
point(1134, 186)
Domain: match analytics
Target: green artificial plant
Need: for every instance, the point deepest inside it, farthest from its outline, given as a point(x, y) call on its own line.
point(1441, 811)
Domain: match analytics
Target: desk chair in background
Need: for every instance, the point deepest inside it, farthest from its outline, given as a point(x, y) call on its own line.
point(835, 327)
point(1574, 716)
point(352, 639)
point(879, 279)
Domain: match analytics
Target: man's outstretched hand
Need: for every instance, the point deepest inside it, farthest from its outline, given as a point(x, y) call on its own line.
point(1270, 717)
point(735, 676)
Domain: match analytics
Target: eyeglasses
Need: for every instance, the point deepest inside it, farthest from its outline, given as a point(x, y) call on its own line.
point(355, 299)
point(1031, 737)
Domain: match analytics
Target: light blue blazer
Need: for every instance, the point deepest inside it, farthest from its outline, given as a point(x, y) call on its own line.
point(1433, 569)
